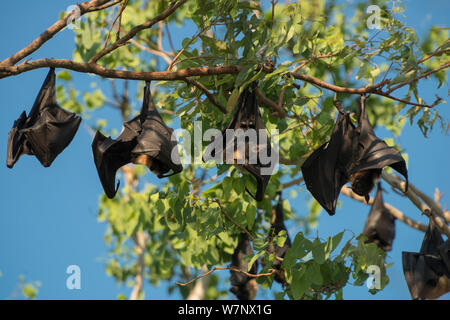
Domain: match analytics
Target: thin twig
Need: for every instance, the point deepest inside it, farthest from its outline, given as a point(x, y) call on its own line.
point(292, 183)
point(85, 7)
point(232, 220)
point(424, 75)
point(207, 93)
point(118, 17)
point(187, 45)
point(130, 35)
point(251, 275)
point(162, 54)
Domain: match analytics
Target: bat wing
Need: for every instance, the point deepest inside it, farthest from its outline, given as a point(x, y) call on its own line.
point(425, 275)
point(261, 170)
point(277, 226)
point(426, 272)
point(240, 282)
point(246, 116)
point(432, 240)
point(324, 170)
point(154, 141)
point(416, 274)
point(380, 224)
point(444, 251)
point(110, 155)
point(262, 180)
point(17, 144)
point(47, 130)
point(46, 97)
point(249, 117)
point(374, 153)
point(52, 133)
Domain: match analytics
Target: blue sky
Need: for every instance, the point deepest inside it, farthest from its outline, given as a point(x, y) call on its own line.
point(48, 216)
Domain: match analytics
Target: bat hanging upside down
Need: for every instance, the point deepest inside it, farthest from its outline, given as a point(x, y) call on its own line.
point(353, 154)
point(46, 131)
point(246, 117)
point(145, 140)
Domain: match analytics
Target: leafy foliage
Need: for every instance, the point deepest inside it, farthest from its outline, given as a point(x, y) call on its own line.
point(185, 227)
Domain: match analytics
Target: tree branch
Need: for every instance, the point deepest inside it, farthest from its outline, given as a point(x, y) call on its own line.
point(114, 73)
point(160, 53)
point(198, 292)
point(400, 185)
point(338, 89)
point(292, 183)
point(394, 211)
point(251, 275)
point(432, 204)
point(277, 107)
point(426, 74)
point(207, 93)
point(85, 7)
point(122, 41)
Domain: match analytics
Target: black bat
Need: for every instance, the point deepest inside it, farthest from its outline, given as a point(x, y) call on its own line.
point(380, 224)
point(427, 273)
point(145, 139)
point(276, 227)
point(47, 130)
point(444, 251)
point(353, 154)
point(247, 118)
point(243, 286)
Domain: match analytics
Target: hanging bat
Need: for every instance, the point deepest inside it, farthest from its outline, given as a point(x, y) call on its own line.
point(243, 286)
point(427, 273)
point(380, 224)
point(277, 226)
point(246, 119)
point(145, 139)
point(353, 154)
point(444, 251)
point(47, 130)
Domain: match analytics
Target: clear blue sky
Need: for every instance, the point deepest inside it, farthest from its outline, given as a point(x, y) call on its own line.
point(48, 216)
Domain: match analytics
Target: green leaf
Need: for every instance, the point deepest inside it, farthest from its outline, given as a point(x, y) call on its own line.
point(250, 214)
point(281, 238)
point(300, 283)
point(64, 75)
point(314, 274)
point(318, 251)
point(253, 259)
point(244, 75)
point(232, 100)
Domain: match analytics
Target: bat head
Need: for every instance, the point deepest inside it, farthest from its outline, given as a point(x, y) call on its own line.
point(362, 182)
